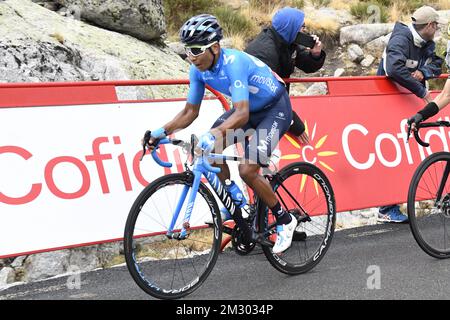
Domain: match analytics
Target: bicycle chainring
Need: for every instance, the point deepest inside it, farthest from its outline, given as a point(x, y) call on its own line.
point(239, 246)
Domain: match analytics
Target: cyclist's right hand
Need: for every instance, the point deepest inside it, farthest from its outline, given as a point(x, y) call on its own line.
point(151, 138)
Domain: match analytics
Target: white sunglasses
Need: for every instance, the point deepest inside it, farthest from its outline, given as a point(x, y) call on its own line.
point(195, 51)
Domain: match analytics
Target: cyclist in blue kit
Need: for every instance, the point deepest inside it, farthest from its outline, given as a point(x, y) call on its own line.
point(261, 106)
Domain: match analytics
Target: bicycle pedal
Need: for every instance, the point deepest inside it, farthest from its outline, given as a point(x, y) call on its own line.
point(259, 238)
point(300, 215)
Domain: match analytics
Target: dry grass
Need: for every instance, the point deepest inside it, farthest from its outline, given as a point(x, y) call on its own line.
point(58, 36)
point(323, 26)
point(442, 4)
point(342, 4)
point(238, 41)
point(399, 12)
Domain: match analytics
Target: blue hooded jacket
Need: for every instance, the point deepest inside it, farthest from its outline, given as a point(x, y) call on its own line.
point(287, 23)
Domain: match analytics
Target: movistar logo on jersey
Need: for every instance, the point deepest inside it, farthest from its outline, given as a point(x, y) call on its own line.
point(228, 59)
point(263, 143)
point(267, 81)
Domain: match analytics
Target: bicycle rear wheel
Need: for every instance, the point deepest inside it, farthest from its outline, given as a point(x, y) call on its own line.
point(304, 188)
point(164, 267)
point(429, 216)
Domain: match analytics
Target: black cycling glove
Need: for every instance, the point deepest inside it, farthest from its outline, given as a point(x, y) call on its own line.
point(428, 111)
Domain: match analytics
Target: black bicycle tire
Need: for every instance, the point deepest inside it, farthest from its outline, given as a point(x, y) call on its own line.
point(274, 259)
point(423, 166)
point(131, 220)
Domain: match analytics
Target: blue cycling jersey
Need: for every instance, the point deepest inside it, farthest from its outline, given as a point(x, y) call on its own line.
point(239, 76)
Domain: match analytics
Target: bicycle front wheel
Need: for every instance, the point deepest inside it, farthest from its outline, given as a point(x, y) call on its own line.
point(429, 205)
point(304, 189)
point(162, 266)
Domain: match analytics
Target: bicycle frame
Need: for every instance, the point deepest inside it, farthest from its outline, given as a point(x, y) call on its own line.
point(201, 168)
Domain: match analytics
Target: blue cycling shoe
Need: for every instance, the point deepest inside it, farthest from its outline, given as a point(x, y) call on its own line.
point(393, 215)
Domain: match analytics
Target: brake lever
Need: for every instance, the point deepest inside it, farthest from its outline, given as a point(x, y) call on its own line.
point(146, 143)
point(194, 142)
point(408, 134)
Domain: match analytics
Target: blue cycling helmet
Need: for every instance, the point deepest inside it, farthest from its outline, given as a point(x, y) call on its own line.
point(201, 30)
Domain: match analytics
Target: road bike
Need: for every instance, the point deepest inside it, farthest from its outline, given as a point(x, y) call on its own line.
point(170, 248)
point(429, 199)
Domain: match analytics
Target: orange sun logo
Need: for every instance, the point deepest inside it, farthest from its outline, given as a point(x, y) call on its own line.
point(310, 153)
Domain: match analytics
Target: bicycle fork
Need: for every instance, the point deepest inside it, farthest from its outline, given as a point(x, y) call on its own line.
point(184, 233)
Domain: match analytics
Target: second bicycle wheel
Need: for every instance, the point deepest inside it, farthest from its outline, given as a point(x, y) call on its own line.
point(304, 189)
point(162, 266)
point(429, 205)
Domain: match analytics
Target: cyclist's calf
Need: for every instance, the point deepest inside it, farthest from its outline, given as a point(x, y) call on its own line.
point(250, 174)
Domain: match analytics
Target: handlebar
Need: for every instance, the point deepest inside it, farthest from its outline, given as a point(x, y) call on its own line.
point(426, 125)
point(189, 146)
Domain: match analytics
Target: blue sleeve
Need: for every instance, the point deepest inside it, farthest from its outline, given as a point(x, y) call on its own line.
point(434, 68)
point(196, 87)
point(397, 70)
point(238, 75)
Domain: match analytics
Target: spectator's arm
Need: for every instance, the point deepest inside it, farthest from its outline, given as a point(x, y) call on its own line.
point(397, 70)
point(269, 55)
point(432, 69)
point(306, 62)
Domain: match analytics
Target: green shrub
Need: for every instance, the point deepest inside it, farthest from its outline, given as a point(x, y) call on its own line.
point(178, 11)
point(232, 22)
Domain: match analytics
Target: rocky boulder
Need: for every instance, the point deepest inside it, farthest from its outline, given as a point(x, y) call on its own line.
point(363, 33)
point(143, 19)
point(7, 276)
point(46, 265)
point(377, 46)
point(355, 53)
point(38, 45)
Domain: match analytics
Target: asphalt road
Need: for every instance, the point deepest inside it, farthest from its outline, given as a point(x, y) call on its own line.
point(348, 271)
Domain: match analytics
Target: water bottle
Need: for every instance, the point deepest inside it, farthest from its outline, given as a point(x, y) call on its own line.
point(236, 194)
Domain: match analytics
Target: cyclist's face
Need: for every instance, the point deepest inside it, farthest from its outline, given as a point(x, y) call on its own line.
point(204, 61)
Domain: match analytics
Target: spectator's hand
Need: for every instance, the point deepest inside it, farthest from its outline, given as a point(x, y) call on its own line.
point(317, 49)
point(418, 75)
point(304, 139)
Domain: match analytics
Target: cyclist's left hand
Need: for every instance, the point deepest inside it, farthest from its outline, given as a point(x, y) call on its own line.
point(206, 142)
point(414, 121)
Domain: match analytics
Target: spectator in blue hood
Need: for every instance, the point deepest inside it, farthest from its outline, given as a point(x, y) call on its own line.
point(276, 46)
point(409, 59)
